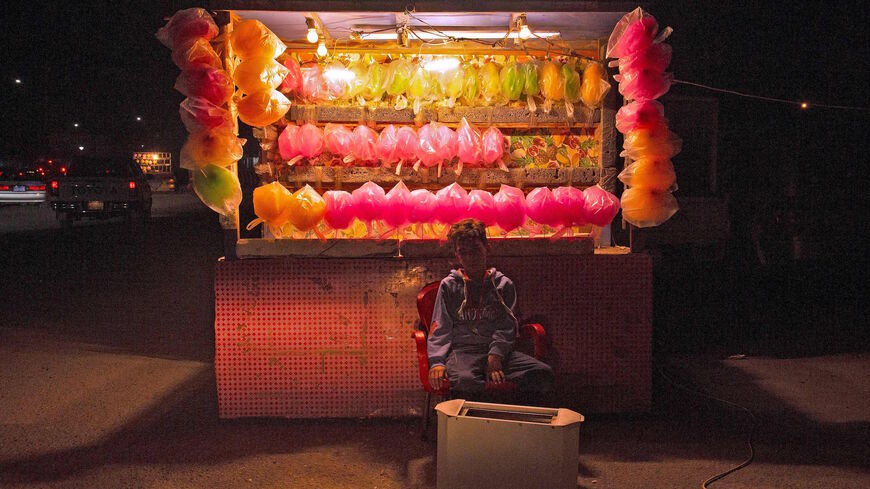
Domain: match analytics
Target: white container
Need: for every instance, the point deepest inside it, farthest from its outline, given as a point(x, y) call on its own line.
point(483, 445)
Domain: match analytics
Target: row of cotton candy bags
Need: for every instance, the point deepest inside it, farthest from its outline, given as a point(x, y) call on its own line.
point(642, 58)
point(212, 144)
point(432, 145)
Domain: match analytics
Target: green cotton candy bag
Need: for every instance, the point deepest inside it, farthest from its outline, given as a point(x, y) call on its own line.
point(418, 87)
point(490, 83)
point(218, 188)
point(470, 85)
point(399, 75)
point(377, 80)
point(529, 70)
point(512, 80)
point(572, 82)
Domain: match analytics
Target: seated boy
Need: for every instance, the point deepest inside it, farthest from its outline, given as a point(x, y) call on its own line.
point(474, 328)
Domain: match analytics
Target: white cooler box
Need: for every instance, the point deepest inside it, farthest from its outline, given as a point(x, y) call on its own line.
point(483, 445)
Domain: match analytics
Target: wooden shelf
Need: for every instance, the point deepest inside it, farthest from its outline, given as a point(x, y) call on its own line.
point(318, 176)
point(505, 116)
point(415, 248)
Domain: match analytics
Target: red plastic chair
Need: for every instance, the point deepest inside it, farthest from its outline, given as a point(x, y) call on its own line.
point(532, 332)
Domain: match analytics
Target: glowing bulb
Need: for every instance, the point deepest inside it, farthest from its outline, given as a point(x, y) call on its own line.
point(81, 148)
point(442, 65)
point(321, 49)
point(525, 32)
point(76, 124)
point(18, 80)
point(138, 118)
point(804, 105)
point(312, 35)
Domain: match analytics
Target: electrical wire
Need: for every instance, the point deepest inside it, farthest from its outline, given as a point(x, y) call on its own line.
point(773, 99)
point(745, 463)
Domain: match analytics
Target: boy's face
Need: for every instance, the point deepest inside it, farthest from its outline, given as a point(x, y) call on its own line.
point(472, 256)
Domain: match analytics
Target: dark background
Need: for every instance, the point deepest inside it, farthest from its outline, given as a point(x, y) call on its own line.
point(787, 171)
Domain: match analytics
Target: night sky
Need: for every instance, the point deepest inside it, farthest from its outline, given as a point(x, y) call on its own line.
point(97, 63)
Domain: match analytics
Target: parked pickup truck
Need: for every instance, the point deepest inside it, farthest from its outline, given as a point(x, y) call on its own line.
point(100, 188)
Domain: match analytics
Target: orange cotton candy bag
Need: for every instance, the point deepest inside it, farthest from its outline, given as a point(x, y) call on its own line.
point(251, 39)
point(216, 147)
point(307, 208)
point(272, 207)
point(653, 173)
point(258, 74)
point(263, 108)
point(647, 208)
point(648, 142)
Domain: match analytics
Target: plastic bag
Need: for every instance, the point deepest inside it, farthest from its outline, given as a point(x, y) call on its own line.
point(292, 82)
point(407, 143)
point(451, 204)
point(339, 140)
point(601, 206)
point(468, 144)
point(512, 80)
point(399, 75)
point(481, 206)
point(426, 146)
point(195, 52)
point(357, 84)
point(337, 80)
point(199, 114)
point(272, 207)
point(339, 212)
point(634, 32)
point(529, 71)
point(644, 207)
point(185, 25)
point(259, 74)
point(422, 206)
point(594, 86)
point(640, 114)
point(251, 39)
point(446, 138)
point(510, 208)
point(286, 142)
point(217, 188)
point(364, 148)
point(656, 174)
point(307, 208)
point(369, 201)
point(219, 148)
point(205, 82)
point(542, 207)
point(572, 205)
point(551, 83)
point(313, 84)
point(398, 206)
point(572, 82)
point(644, 84)
point(470, 85)
point(654, 58)
point(309, 141)
point(387, 147)
point(452, 84)
point(490, 83)
point(492, 147)
point(263, 108)
point(376, 81)
point(651, 142)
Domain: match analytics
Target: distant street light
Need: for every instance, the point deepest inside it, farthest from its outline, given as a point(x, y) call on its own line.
point(81, 148)
point(75, 124)
point(138, 118)
point(18, 81)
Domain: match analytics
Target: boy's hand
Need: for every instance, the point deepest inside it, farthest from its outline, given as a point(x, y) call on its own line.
point(493, 369)
point(437, 376)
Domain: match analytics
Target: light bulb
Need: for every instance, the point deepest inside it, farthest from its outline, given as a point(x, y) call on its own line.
point(321, 49)
point(525, 32)
point(312, 35)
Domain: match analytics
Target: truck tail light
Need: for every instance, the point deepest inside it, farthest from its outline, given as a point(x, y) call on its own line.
point(131, 185)
point(4, 187)
point(36, 187)
point(53, 187)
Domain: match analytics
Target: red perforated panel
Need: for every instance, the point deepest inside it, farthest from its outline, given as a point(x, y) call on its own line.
point(332, 337)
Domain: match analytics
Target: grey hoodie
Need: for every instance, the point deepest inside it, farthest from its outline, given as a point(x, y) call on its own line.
point(458, 322)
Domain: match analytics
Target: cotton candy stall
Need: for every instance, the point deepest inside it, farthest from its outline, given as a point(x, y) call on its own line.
point(642, 58)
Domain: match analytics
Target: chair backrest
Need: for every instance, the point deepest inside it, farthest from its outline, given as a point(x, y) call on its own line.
point(426, 304)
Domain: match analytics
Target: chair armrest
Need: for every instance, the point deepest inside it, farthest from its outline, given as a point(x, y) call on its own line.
point(536, 333)
point(422, 359)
